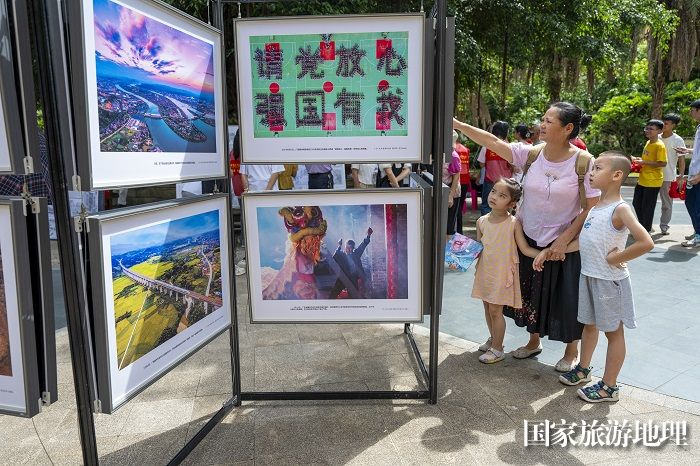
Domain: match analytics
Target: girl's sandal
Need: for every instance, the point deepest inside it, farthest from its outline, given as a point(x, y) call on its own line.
point(492, 356)
point(576, 376)
point(593, 394)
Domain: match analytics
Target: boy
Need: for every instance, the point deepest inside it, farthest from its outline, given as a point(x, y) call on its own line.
point(651, 176)
point(692, 188)
point(605, 293)
point(671, 141)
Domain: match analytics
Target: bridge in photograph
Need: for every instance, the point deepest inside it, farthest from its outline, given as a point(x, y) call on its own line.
point(167, 289)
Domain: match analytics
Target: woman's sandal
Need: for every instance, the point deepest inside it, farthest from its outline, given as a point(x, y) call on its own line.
point(524, 353)
point(572, 377)
point(592, 394)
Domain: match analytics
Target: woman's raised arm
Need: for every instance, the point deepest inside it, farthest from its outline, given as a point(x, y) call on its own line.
point(486, 139)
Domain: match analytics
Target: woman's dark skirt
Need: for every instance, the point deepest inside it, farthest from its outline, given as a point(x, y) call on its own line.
point(550, 298)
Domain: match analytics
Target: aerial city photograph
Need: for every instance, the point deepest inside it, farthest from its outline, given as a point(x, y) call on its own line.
point(155, 84)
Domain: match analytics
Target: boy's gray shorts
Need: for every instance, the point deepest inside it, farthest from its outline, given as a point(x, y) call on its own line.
point(606, 303)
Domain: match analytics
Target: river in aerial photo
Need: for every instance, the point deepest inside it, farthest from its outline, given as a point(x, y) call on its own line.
point(168, 140)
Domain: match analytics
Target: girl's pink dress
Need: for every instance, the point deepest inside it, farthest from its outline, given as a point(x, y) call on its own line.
point(497, 278)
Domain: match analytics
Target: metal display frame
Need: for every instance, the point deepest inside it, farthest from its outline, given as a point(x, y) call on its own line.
point(426, 61)
point(98, 297)
point(64, 140)
point(42, 295)
point(17, 89)
point(81, 98)
point(29, 348)
point(342, 193)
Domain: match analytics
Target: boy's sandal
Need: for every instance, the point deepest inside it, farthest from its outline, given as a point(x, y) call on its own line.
point(592, 394)
point(572, 377)
point(523, 352)
point(492, 356)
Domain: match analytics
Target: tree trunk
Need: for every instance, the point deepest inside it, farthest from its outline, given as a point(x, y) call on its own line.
point(590, 80)
point(636, 36)
point(658, 71)
point(478, 96)
point(504, 69)
point(554, 78)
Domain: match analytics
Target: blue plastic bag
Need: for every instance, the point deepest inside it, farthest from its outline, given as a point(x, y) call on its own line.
point(461, 252)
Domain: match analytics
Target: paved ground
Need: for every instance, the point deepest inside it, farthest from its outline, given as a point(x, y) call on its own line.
point(478, 419)
point(662, 351)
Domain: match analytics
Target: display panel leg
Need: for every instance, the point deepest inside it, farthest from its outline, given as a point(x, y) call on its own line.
point(203, 432)
point(417, 355)
point(438, 220)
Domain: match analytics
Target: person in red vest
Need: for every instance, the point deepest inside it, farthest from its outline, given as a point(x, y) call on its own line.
point(493, 165)
point(464, 181)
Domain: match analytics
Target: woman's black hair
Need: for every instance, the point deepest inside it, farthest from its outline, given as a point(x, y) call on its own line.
point(237, 145)
point(500, 129)
point(523, 131)
point(585, 121)
point(570, 113)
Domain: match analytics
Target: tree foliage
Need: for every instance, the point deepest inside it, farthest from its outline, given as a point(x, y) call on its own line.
point(514, 57)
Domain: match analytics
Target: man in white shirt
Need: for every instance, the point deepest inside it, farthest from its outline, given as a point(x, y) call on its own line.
point(260, 177)
point(364, 175)
point(672, 141)
point(692, 194)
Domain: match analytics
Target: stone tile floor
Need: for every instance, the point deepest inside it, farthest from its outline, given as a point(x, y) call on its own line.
point(478, 419)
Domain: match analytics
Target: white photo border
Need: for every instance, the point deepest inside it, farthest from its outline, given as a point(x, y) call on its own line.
point(374, 149)
point(111, 170)
point(19, 393)
point(378, 310)
point(114, 386)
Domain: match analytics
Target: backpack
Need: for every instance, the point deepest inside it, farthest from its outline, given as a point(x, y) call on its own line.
point(583, 160)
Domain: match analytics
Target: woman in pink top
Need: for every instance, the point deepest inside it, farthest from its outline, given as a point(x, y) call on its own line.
point(552, 218)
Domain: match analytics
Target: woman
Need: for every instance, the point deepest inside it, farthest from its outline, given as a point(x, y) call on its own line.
point(552, 217)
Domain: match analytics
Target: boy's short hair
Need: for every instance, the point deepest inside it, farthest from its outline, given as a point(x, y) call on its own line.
point(658, 123)
point(619, 161)
point(695, 104)
point(672, 117)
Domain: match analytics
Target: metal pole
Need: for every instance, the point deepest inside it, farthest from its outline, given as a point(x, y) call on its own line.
point(44, 14)
point(218, 18)
point(438, 224)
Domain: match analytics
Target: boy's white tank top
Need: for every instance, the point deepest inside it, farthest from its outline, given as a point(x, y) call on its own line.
point(598, 237)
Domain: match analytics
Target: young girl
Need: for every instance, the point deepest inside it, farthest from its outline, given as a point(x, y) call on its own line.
point(497, 280)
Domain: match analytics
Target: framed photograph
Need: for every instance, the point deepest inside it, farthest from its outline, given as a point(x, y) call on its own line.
point(335, 256)
point(20, 392)
point(18, 126)
point(148, 87)
point(331, 88)
point(160, 290)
